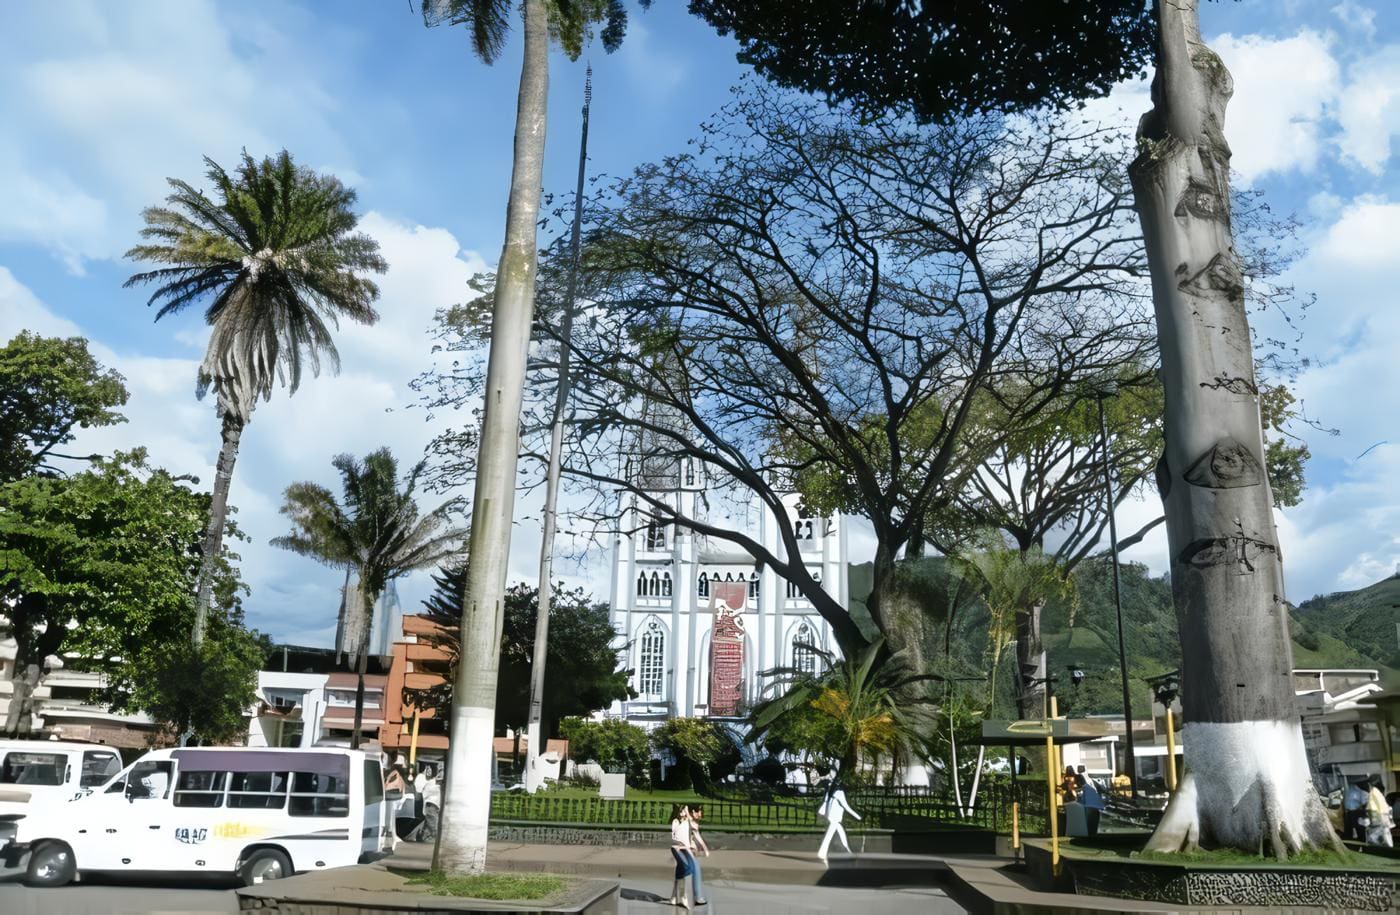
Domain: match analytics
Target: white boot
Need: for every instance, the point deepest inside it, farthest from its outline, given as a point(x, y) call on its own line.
point(676, 892)
point(685, 893)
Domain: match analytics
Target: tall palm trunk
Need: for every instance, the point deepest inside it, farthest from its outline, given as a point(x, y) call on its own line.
point(232, 431)
point(467, 795)
point(1248, 784)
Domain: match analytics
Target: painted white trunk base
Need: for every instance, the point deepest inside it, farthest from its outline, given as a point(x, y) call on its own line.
point(1248, 787)
point(466, 808)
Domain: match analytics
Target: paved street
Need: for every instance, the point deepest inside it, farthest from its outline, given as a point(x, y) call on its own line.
point(114, 899)
point(638, 897)
point(648, 896)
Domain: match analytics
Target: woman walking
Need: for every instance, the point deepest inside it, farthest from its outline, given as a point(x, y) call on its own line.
point(680, 850)
point(834, 807)
point(697, 813)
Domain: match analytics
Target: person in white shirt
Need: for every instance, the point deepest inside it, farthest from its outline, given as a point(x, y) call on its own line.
point(680, 850)
point(834, 807)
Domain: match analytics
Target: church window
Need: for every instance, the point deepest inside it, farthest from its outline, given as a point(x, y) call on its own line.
point(666, 584)
point(702, 585)
point(792, 591)
point(642, 585)
point(651, 661)
point(654, 586)
point(802, 529)
point(753, 586)
point(690, 471)
point(656, 536)
point(804, 658)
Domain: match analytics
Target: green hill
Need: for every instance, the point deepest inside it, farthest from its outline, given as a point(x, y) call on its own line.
point(1364, 623)
point(1351, 629)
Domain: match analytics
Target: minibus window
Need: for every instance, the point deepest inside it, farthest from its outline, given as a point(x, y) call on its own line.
point(260, 790)
point(374, 782)
point(200, 789)
point(98, 766)
point(149, 780)
point(315, 795)
point(33, 769)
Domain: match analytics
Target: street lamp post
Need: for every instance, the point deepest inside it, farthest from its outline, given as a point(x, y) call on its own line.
point(1118, 601)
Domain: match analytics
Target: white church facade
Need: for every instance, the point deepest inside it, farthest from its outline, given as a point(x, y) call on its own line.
point(701, 619)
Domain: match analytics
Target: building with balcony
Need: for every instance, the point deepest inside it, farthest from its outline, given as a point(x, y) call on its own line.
point(309, 700)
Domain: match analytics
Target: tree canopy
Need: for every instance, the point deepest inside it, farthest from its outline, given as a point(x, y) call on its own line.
point(49, 388)
point(582, 672)
point(937, 58)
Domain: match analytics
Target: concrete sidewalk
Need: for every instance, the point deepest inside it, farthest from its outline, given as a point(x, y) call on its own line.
point(749, 866)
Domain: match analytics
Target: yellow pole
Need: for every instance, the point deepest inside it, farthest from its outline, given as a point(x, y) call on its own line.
point(1171, 752)
point(413, 741)
point(1015, 825)
point(1052, 809)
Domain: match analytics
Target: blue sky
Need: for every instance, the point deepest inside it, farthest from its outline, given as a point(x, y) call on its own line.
point(102, 101)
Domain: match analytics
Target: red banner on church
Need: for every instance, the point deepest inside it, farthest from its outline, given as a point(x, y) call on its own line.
point(727, 646)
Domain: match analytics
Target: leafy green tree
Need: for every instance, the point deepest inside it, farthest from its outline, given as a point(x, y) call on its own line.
point(1243, 732)
point(612, 743)
point(49, 388)
point(810, 738)
point(695, 744)
point(581, 672)
point(100, 563)
point(276, 258)
point(376, 535)
point(202, 691)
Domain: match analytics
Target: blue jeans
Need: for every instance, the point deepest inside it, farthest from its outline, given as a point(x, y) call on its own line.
point(685, 862)
point(695, 878)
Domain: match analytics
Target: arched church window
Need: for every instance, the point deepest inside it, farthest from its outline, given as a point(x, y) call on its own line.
point(666, 584)
point(753, 586)
point(651, 660)
point(690, 471)
point(654, 586)
point(656, 536)
point(702, 585)
point(792, 590)
point(642, 585)
point(802, 529)
point(804, 658)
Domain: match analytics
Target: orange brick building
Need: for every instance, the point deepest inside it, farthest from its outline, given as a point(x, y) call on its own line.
point(421, 661)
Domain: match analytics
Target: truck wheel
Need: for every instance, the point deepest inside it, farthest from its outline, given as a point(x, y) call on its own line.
point(50, 864)
point(263, 864)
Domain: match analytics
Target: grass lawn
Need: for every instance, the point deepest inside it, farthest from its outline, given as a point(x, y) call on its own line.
point(491, 886)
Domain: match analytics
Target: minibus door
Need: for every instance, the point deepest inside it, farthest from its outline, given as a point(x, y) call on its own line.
point(130, 830)
point(371, 832)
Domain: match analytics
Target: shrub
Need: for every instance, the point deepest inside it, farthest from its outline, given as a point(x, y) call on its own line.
point(613, 744)
point(695, 744)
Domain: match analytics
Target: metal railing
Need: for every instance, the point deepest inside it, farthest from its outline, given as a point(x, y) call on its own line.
point(899, 808)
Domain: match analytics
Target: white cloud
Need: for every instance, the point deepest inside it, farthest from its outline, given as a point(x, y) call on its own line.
point(1283, 90)
point(116, 97)
point(1369, 109)
point(1358, 18)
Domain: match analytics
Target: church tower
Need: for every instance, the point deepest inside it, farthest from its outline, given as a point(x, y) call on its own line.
point(699, 618)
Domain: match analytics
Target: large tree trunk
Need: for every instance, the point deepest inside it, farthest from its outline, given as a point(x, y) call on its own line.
point(1030, 665)
point(1248, 786)
point(232, 430)
point(22, 686)
point(467, 795)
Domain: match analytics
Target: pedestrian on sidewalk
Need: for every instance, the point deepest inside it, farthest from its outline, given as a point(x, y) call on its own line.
point(680, 850)
point(1353, 805)
point(833, 808)
point(697, 813)
point(1378, 817)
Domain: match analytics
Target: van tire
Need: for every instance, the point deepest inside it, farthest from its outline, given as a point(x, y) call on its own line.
point(50, 864)
point(263, 864)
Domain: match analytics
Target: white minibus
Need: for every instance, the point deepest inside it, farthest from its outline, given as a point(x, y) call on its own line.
point(257, 814)
point(37, 773)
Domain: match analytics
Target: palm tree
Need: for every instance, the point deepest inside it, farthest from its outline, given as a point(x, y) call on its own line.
point(873, 699)
point(376, 536)
point(466, 801)
point(276, 258)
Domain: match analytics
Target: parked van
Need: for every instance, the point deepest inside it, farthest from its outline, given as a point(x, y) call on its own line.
point(36, 773)
point(258, 814)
